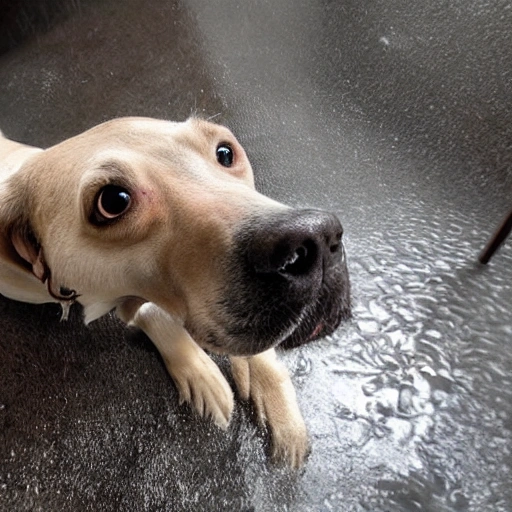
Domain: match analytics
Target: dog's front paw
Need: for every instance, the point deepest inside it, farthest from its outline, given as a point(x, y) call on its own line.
point(197, 377)
point(289, 441)
point(202, 385)
point(267, 383)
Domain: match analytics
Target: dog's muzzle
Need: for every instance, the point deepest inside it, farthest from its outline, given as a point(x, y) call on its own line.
point(289, 282)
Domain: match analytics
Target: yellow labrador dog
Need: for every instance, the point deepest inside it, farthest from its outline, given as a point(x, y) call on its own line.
point(160, 222)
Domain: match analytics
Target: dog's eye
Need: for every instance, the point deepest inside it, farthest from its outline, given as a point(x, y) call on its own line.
point(112, 201)
point(225, 155)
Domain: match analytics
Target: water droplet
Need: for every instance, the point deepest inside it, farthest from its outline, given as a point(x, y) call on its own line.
point(303, 367)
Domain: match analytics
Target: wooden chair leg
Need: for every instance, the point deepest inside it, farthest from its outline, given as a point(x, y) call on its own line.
point(497, 239)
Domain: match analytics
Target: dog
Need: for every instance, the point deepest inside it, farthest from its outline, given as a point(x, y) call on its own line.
point(160, 221)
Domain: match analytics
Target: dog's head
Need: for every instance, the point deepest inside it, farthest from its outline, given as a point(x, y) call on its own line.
point(167, 212)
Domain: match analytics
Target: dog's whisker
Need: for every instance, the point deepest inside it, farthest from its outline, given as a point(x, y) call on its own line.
point(214, 116)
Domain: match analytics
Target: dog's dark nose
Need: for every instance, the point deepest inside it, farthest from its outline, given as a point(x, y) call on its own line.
point(297, 244)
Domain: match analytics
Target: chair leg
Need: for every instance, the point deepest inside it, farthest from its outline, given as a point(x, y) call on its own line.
point(497, 239)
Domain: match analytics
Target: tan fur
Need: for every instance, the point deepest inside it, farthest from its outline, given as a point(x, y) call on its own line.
point(159, 266)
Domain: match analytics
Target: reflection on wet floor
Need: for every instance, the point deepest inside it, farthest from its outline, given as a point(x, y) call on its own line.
point(419, 386)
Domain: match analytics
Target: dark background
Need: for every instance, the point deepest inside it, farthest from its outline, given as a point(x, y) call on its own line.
point(395, 115)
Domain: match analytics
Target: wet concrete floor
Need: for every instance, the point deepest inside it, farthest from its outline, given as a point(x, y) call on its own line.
point(397, 117)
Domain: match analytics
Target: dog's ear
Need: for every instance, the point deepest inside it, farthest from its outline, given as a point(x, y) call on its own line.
point(18, 243)
point(29, 249)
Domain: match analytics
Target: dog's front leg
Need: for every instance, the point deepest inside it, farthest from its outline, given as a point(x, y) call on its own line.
point(264, 380)
point(197, 377)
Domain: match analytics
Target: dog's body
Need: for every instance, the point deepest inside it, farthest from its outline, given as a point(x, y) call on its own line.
point(160, 221)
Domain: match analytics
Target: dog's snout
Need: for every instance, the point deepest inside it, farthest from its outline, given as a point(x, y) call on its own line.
point(298, 244)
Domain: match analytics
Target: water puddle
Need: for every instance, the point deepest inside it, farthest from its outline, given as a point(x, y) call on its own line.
point(414, 396)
